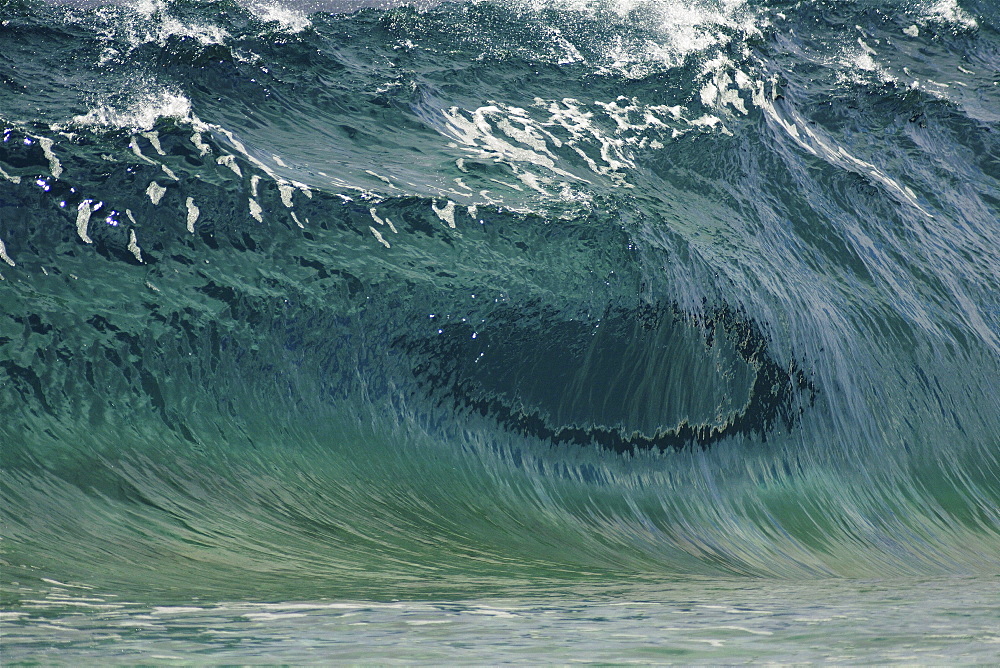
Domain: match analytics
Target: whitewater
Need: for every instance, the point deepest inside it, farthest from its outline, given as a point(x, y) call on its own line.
point(534, 331)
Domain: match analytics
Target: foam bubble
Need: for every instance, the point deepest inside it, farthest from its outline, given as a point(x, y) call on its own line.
point(204, 34)
point(446, 213)
point(676, 29)
point(145, 21)
point(155, 192)
point(192, 214)
point(948, 11)
point(290, 20)
point(4, 256)
point(141, 115)
point(83, 219)
point(133, 246)
point(256, 210)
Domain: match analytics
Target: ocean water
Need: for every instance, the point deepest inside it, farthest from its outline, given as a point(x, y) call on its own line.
point(528, 331)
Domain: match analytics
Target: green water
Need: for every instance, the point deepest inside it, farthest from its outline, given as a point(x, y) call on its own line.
point(939, 621)
point(653, 330)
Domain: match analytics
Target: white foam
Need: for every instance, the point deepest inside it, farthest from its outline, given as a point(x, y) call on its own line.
point(378, 235)
point(205, 34)
point(134, 145)
point(203, 148)
point(490, 612)
point(477, 131)
point(543, 135)
point(286, 190)
point(677, 29)
point(533, 182)
point(384, 179)
point(446, 213)
point(154, 140)
point(948, 11)
point(512, 186)
point(83, 212)
point(4, 256)
point(155, 192)
point(12, 179)
point(141, 115)
point(133, 246)
point(710, 121)
point(54, 165)
point(291, 20)
point(154, 23)
point(230, 162)
point(270, 616)
point(256, 211)
point(192, 214)
point(175, 609)
point(570, 54)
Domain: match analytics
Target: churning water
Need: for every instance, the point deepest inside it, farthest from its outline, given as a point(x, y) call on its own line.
point(540, 330)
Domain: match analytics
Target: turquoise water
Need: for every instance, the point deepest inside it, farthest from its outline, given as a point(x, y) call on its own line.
point(482, 332)
point(924, 621)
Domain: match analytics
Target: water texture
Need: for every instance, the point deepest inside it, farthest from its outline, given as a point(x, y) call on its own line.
point(498, 306)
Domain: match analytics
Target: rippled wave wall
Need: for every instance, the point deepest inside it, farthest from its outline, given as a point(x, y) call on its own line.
point(320, 300)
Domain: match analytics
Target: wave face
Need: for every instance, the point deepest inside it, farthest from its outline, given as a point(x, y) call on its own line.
point(327, 301)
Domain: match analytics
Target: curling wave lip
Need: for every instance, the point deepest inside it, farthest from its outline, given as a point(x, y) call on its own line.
point(635, 379)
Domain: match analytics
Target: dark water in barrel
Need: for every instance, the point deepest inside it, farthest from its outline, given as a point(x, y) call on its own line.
point(543, 330)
